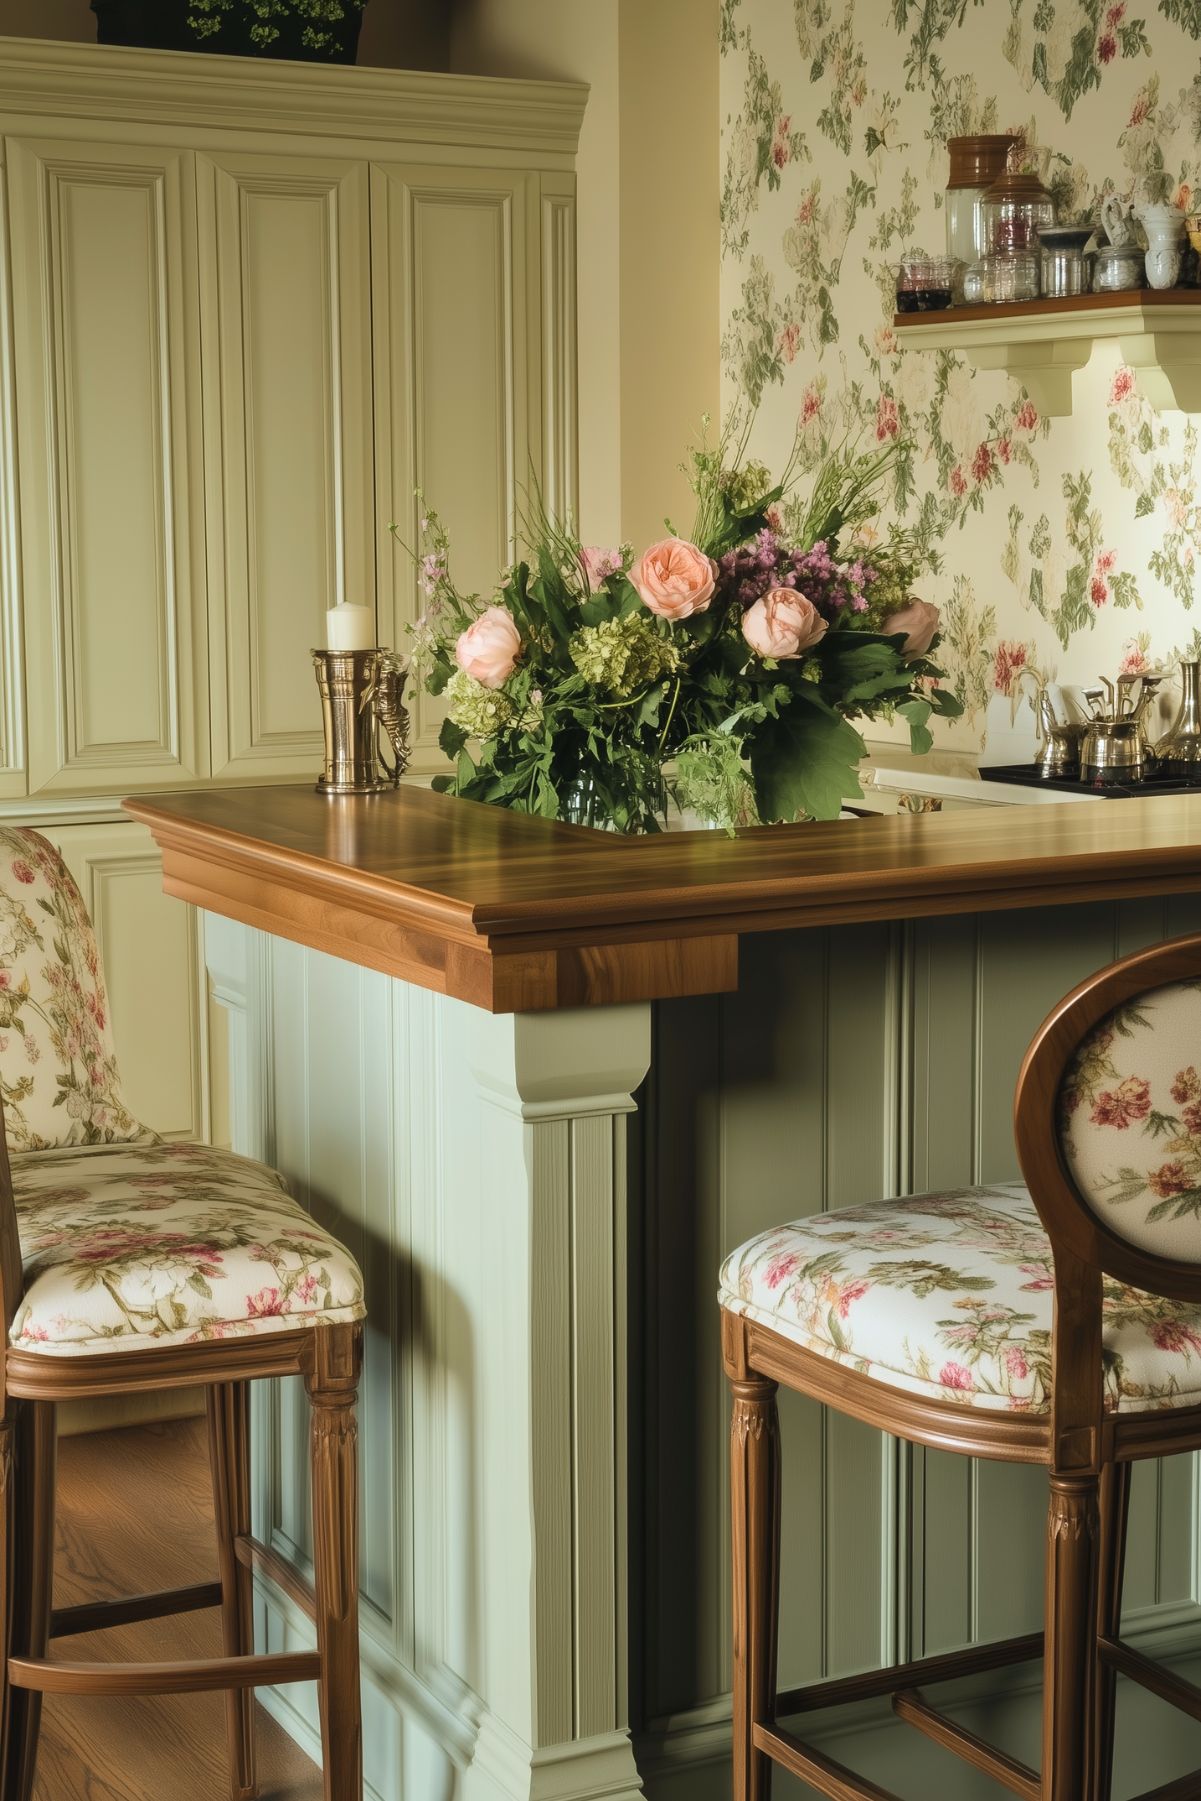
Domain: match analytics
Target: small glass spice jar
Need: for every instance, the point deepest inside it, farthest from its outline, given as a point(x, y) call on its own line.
point(1017, 206)
point(975, 163)
point(1118, 268)
point(1010, 275)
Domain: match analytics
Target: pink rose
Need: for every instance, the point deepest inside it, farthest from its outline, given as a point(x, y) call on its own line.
point(597, 564)
point(919, 623)
point(674, 579)
point(488, 650)
point(783, 625)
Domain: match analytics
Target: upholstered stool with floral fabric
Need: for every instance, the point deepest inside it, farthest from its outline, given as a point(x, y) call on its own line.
point(129, 1264)
point(1055, 1322)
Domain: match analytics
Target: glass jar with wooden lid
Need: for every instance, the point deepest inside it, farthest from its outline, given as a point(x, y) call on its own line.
point(976, 162)
point(1018, 205)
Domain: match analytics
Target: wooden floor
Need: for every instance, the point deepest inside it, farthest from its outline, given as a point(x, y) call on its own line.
point(135, 1514)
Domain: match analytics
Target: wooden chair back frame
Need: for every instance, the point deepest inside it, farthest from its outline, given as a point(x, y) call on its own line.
point(1075, 1230)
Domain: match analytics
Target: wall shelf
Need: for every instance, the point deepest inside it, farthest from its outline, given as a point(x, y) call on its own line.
point(1040, 343)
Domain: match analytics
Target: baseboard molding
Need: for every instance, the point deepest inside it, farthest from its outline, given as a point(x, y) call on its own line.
point(444, 1748)
point(416, 1743)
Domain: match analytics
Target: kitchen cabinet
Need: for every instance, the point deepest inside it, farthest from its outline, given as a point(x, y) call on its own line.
point(109, 468)
point(246, 311)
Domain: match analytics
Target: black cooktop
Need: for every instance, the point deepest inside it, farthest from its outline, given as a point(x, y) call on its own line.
point(1024, 775)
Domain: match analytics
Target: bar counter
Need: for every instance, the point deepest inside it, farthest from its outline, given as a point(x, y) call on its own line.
point(516, 914)
point(542, 1079)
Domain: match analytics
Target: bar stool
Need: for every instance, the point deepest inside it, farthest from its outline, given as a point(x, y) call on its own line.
point(1057, 1323)
point(129, 1265)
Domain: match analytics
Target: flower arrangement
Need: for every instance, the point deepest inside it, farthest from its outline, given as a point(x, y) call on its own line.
point(725, 669)
point(206, 17)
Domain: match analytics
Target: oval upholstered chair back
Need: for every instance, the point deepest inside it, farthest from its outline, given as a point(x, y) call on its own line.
point(1108, 1121)
point(58, 1067)
point(1131, 1122)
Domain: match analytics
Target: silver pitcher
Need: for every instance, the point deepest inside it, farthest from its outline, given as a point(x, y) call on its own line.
point(1179, 750)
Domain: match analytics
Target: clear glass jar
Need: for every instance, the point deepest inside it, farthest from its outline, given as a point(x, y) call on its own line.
point(1017, 206)
point(1015, 210)
point(1118, 268)
point(1009, 275)
point(925, 284)
point(975, 163)
point(975, 283)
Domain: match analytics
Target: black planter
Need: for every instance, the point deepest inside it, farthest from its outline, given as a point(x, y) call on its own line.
point(163, 25)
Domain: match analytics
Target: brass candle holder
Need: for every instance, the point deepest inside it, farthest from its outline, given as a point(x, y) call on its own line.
point(361, 695)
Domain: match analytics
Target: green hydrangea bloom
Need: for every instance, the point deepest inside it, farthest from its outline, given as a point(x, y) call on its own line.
point(481, 711)
point(623, 655)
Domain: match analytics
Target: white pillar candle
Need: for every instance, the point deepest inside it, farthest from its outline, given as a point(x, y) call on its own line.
point(349, 628)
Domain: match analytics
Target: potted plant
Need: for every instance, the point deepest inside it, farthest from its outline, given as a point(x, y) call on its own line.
point(304, 30)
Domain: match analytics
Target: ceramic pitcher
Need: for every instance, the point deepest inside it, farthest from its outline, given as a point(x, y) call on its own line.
point(1164, 226)
point(1118, 221)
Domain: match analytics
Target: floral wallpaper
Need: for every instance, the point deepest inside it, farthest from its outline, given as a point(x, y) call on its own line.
point(1065, 546)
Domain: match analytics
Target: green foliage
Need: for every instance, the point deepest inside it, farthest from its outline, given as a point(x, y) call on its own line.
point(803, 762)
point(1185, 13)
point(604, 700)
point(206, 17)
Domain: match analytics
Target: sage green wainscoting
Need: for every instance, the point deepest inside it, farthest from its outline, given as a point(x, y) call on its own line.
point(855, 1063)
point(479, 1166)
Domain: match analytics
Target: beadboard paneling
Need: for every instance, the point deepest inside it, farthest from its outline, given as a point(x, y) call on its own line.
point(851, 1064)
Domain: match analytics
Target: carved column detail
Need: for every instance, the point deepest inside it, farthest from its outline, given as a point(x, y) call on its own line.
point(755, 1542)
point(332, 1387)
point(1073, 1539)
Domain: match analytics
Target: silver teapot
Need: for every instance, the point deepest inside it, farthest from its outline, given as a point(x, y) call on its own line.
point(1115, 747)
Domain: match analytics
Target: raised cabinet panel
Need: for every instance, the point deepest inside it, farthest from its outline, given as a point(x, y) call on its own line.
point(110, 463)
point(12, 660)
point(286, 329)
point(149, 946)
point(457, 322)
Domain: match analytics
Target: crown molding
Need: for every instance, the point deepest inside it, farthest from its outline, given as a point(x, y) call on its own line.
point(171, 88)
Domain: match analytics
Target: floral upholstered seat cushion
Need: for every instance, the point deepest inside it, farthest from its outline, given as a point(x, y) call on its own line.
point(58, 1069)
point(1132, 1121)
point(950, 1296)
point(152, 1245)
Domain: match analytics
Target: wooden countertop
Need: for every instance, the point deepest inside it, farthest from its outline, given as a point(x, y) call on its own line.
point(516, 914)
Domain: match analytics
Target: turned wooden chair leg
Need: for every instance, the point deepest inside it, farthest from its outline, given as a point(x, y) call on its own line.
point(35, 1448)
point(755, 1511)
point(1069, 1686)
point(1114, 1514)
point(229, 1457)
point(332, 1388)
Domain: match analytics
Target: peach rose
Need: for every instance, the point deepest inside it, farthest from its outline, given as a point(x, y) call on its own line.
point(488, 650)
point(674, 579)
point(919, 622)
point(783, 625)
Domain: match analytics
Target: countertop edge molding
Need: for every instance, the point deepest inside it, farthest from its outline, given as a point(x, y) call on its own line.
point(39, 77)
point(517, 914)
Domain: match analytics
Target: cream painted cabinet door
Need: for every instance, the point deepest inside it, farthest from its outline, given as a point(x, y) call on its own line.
point(110, 467)
point(457, 268)
point(286, 323)
point(154, 972)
